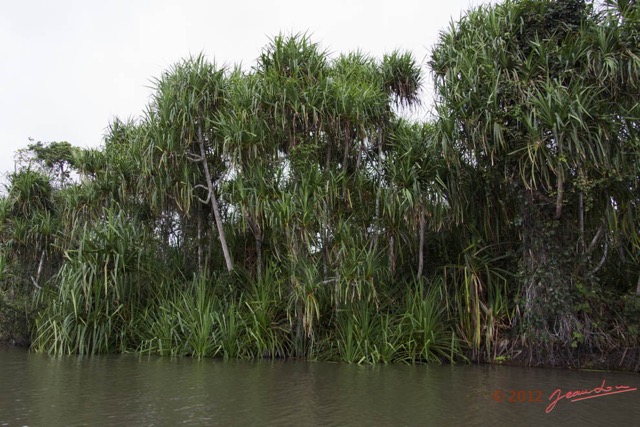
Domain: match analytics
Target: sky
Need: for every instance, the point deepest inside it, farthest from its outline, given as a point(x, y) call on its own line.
point(68, 67)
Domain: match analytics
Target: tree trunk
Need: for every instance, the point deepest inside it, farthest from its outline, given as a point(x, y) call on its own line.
point(421, 244)
point(37, 278)
point(392, 254)
point(214, 205)
point(258, 257)
point(581, 244)
point(374, 241)
point(560, 197)
point(547, 273)
point(199, 244)
point(347, 137)
point(327, 164)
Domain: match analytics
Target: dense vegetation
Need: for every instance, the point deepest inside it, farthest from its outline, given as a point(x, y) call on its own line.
point(289, 211)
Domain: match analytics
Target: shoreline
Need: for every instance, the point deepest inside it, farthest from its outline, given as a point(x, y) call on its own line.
point(629, 363)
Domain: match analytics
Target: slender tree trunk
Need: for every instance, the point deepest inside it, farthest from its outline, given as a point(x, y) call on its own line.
point(258, 256)
point(421, 244)
point(214, 204)
point(299, 339)
point(199, 244)
point(327, 164)
point(40, 265)
point(581, 244)
point(560, 196)
point(374, 241)
point(347, 136)
point(392, 254)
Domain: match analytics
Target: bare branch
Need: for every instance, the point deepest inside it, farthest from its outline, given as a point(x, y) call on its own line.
point(205, 201)
point(35, 283)
point(195, 158)
point(602, 260)
point(39, 271)
point(595, 239)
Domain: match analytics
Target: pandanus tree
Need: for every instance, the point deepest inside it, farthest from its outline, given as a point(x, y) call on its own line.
point(106, 236)
point(28, 224)
point(304, 136)
point(537, 105)
point(249, 146)
point(27, 228)
point(185, 156)
point(416, 196)
point(31, 217)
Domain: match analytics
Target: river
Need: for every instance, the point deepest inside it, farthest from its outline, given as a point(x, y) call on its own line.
point(38, 390)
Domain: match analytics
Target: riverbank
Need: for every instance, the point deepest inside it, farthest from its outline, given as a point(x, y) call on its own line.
point(626, 360)
point(623, 360)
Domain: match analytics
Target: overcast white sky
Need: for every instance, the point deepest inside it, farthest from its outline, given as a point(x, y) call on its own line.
point(67, 67)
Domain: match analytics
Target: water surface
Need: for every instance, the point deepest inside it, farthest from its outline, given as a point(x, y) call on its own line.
point(38, 390)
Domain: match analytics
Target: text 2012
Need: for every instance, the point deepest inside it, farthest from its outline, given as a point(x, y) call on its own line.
point(517, 396)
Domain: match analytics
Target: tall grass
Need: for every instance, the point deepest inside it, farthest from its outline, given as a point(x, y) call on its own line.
point(426, 334)
point(96, 292)
point(478, 299)
point(268, 329)
point(109, 297)
point(363, 335)
point(192, 319)
point(416, 332)
point(180, 322)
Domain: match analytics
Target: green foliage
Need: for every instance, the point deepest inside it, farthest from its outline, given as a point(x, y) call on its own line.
point(535, 112)
point(287, 211)
point(418, 331)
point(402, 77)
point(424, 326)
point(99, 289)
point(364, 336)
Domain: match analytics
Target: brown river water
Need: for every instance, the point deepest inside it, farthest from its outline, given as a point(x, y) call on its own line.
point(130, 390)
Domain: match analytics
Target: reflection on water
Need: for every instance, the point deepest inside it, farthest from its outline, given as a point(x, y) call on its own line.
point(131, 390)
